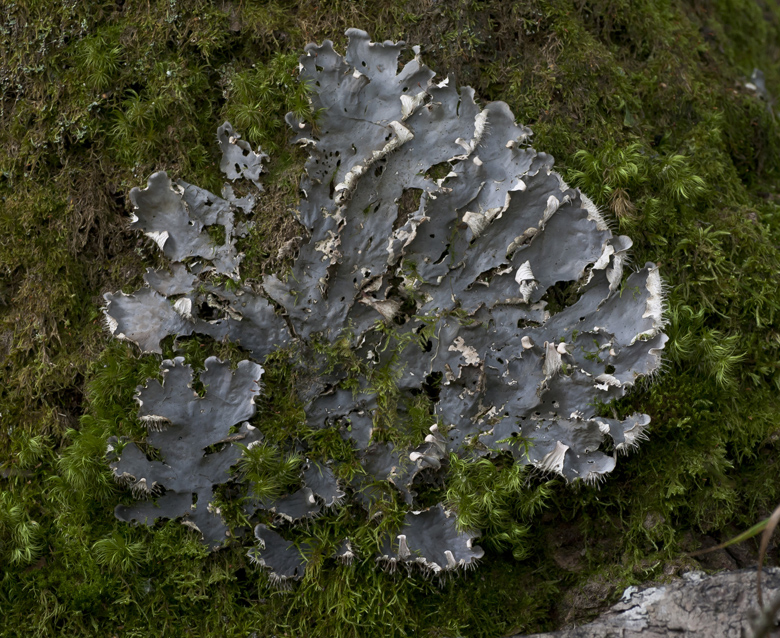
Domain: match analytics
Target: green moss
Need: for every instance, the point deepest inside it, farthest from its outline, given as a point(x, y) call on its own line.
point(643, 105)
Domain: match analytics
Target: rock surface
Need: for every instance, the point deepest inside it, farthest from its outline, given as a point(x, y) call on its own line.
point(721, 605)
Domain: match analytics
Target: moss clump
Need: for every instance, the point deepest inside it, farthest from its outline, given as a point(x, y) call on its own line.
point(645, 106)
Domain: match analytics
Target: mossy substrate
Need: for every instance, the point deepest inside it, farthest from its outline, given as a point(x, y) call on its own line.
point(644, 105)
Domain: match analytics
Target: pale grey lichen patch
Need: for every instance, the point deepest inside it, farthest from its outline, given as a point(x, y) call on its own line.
point(489, 240)
point(177, 281)
point(179, 304)
point(181, 300)
point(430, 539)
point(321, 490)
point(284, 561)
point(176, 216)
point(145, 318)
point(182, 426)
point(463, 278)
point(238, 158)
point(323, 483)
point(296, 506)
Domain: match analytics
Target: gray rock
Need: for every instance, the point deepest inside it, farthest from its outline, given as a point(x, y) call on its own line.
point(723, 605)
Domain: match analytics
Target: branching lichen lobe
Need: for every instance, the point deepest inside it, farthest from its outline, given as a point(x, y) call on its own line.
point(182, 425)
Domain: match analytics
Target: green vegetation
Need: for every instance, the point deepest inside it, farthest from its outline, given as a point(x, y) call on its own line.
point(644, 105)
